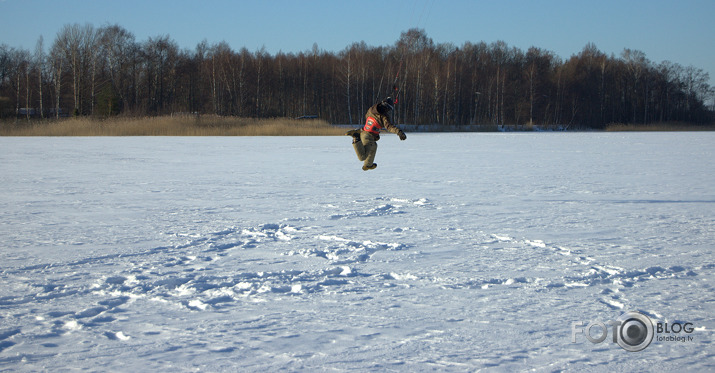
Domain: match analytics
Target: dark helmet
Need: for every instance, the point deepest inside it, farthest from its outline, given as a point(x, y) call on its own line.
point(388, 104)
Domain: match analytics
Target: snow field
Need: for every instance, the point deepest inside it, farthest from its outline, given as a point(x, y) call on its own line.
point(257, 254)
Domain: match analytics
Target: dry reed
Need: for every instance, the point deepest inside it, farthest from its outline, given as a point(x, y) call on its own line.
point(171, 126)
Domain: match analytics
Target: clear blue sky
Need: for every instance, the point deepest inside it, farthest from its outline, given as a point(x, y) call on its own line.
point(681, 31)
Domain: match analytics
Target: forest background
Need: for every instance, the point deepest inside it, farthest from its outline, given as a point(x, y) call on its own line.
point(105, 72)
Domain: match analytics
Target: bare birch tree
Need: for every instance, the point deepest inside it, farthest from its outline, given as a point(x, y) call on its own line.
point(40, 66)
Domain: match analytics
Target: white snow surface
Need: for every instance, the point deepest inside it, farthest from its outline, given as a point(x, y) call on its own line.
point(460, 252)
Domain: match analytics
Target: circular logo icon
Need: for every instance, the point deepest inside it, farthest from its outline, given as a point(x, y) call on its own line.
point(635, 332)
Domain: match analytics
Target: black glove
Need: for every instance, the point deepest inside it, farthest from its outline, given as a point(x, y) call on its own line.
point(401, 135)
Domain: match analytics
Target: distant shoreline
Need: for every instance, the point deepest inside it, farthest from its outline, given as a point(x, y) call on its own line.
point(210, 125)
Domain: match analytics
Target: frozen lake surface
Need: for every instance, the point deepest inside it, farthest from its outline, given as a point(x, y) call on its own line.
point(460, 252)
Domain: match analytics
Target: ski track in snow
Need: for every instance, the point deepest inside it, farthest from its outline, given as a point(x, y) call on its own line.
point(188, 274)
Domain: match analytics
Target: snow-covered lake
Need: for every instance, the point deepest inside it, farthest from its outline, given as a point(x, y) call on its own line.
point(460, 252)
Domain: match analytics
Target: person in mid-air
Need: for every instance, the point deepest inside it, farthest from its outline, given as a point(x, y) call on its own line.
point(365, 139)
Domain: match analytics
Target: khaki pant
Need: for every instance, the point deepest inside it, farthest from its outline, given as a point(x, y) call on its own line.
point(366, 148)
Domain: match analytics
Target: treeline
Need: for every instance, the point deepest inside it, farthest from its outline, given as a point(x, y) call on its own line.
point(107, 72)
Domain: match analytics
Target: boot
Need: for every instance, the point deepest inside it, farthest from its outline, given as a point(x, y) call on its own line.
point(355, 134)
point(371, 167)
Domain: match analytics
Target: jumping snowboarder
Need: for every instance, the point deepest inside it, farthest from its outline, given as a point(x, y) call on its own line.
point(365, 139)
